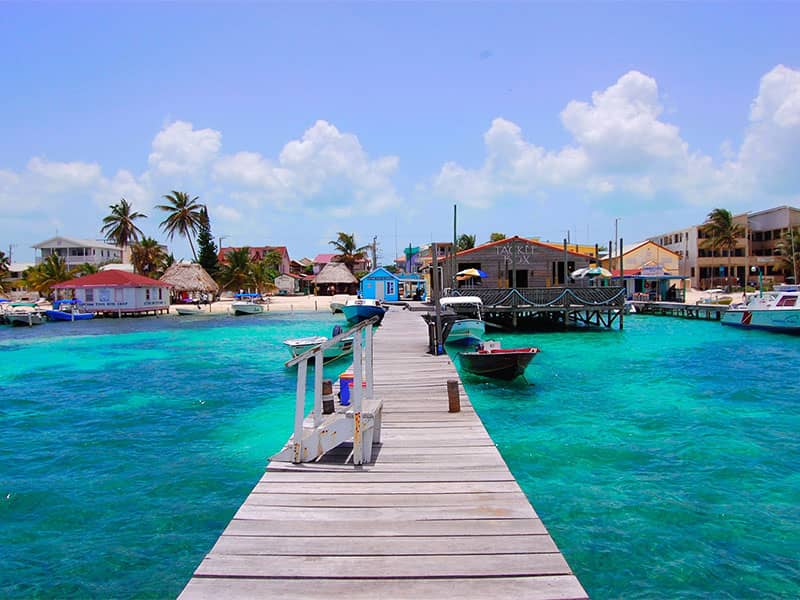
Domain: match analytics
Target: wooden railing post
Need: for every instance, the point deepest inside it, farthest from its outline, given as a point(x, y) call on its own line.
point(368, 365)
point(318, 358)
point(299, 411)
point(358, 453)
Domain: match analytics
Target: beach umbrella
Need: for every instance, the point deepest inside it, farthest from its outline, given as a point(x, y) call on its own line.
point(590, 272)
point(471, 273)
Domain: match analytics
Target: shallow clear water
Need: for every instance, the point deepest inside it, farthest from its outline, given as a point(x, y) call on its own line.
point(664, 459)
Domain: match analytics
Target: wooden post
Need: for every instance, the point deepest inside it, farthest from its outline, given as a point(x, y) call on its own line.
point(318, 358)
point(622, 282)
point(436, 296)
point(368, 362)
point(358, 452)
point(327, 397)
point(453, 398)
point(299, 410)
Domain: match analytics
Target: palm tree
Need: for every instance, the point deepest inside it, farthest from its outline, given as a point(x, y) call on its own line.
point(148, 258)
point(262, 276)
point(349, 254)
point(236, 272)
point(119, 226)
point(787, 250)
point(46, 274)
point(185, 216)
point(721, 233)
point(5, 264)
point(497, 237)
point(86, 269)
point(465, 242)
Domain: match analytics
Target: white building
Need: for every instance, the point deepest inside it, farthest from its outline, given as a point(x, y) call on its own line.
point(76, 251)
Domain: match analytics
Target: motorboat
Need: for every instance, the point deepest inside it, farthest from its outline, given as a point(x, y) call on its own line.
point(778, 310)
point(247, 304)
point(469, 327)
point(338, 301)
point(68, 310)
point(362, 309)
point(189, 310)
point(490, 360)
point(23, 313)
point(343, 347)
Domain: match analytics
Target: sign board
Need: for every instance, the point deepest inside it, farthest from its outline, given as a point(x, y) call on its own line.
point(652, 271)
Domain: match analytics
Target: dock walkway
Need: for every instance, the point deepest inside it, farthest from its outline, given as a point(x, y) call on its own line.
point(437, 514)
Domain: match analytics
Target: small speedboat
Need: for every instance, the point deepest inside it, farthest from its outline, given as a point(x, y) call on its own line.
point(68, 310)
point(23, 314)
point(247, 304)
point(338, 301)
point(490, 360)
point(343, 347)
point(469, 327)
point(190, 310)
point(362, 309)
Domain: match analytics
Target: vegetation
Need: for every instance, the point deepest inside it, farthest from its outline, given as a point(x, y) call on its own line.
point(787, 250)
point(722, 233)
point(207, 256)
point(119, 227)
point(235, 272)
point(465, 242)
point(496, 237)
point(86, 269)
point(149, 259)
point(348, 252)
point(46, 274)
point(184, 216)
point(5, 263)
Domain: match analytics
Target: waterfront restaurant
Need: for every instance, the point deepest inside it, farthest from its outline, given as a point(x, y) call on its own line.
point(515, 262)
point(117, 293)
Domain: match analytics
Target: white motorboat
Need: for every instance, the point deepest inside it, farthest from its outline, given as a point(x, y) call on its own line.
point(23, 313)
point(188, 310)
point(343, 347)
point(777, 310)
point(338, 301)
point(362, 309)
point(470, 327)
point(247, 304)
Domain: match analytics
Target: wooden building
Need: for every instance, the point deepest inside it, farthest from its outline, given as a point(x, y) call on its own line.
point(515, 262)
point(117, 293)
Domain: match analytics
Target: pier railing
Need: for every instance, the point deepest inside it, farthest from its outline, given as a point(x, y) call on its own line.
point(362, 372)
point(546, 297)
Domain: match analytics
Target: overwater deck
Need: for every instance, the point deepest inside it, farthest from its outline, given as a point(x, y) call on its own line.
point(436, 513)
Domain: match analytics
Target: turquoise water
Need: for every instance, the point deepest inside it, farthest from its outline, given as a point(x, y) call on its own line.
point(664, 459)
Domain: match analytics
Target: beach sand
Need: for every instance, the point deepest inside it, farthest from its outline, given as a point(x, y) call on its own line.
point(279, 304)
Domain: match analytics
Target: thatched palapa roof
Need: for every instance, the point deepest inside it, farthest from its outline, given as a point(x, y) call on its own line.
point(335, 272)
point(189, 277)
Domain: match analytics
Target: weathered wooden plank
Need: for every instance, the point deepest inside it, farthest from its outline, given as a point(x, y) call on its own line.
point(309, 528)
point(383, 545)
point(358, 477)
point(252, 511)
point(484, 565)
point(392, 487)
point(422, 502)
point(520, 588)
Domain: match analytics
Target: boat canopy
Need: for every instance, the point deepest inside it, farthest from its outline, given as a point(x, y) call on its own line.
point(461, 301)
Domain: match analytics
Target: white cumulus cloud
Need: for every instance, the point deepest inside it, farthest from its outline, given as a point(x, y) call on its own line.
point(179, 149)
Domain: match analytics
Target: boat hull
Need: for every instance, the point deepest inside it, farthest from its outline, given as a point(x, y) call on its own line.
point(466, 331)
point(355, 313)
point(24, 320)
point(246, 308)
point(779, 320)
point(298, 346)
point(498, 364)
point(61, 315)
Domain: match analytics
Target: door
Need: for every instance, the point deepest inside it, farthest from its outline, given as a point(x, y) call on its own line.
point(379, 293)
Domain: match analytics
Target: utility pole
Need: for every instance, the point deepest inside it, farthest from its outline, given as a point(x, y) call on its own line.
point(374, 251)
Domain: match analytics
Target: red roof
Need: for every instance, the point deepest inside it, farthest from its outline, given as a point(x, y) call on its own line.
point(111, 278)
point(323, 259)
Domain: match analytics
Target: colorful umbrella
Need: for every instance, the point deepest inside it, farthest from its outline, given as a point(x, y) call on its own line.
point(471, 273)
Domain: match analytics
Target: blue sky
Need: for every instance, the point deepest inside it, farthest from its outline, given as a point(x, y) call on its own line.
point(295, 121)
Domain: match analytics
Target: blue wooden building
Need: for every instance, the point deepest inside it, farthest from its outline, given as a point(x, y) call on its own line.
point(381, 284)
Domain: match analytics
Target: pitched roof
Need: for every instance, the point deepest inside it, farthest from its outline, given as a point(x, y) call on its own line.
point(189, 277)
point(113, 278)
point(323, 258)
point(335, 273)
point(61, 241)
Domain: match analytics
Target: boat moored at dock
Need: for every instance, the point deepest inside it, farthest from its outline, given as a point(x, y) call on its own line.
point(777, 310)
point(343, 347)
point(362, 309)
point(490, 360)
point(469, 328)
point(247, 304)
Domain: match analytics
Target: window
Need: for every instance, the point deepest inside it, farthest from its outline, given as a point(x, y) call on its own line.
point(89, 294)
point(389, 288)
point(147, 294)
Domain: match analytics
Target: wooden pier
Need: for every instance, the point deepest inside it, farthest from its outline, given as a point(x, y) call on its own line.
point(435, 514)
point(707, 312)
